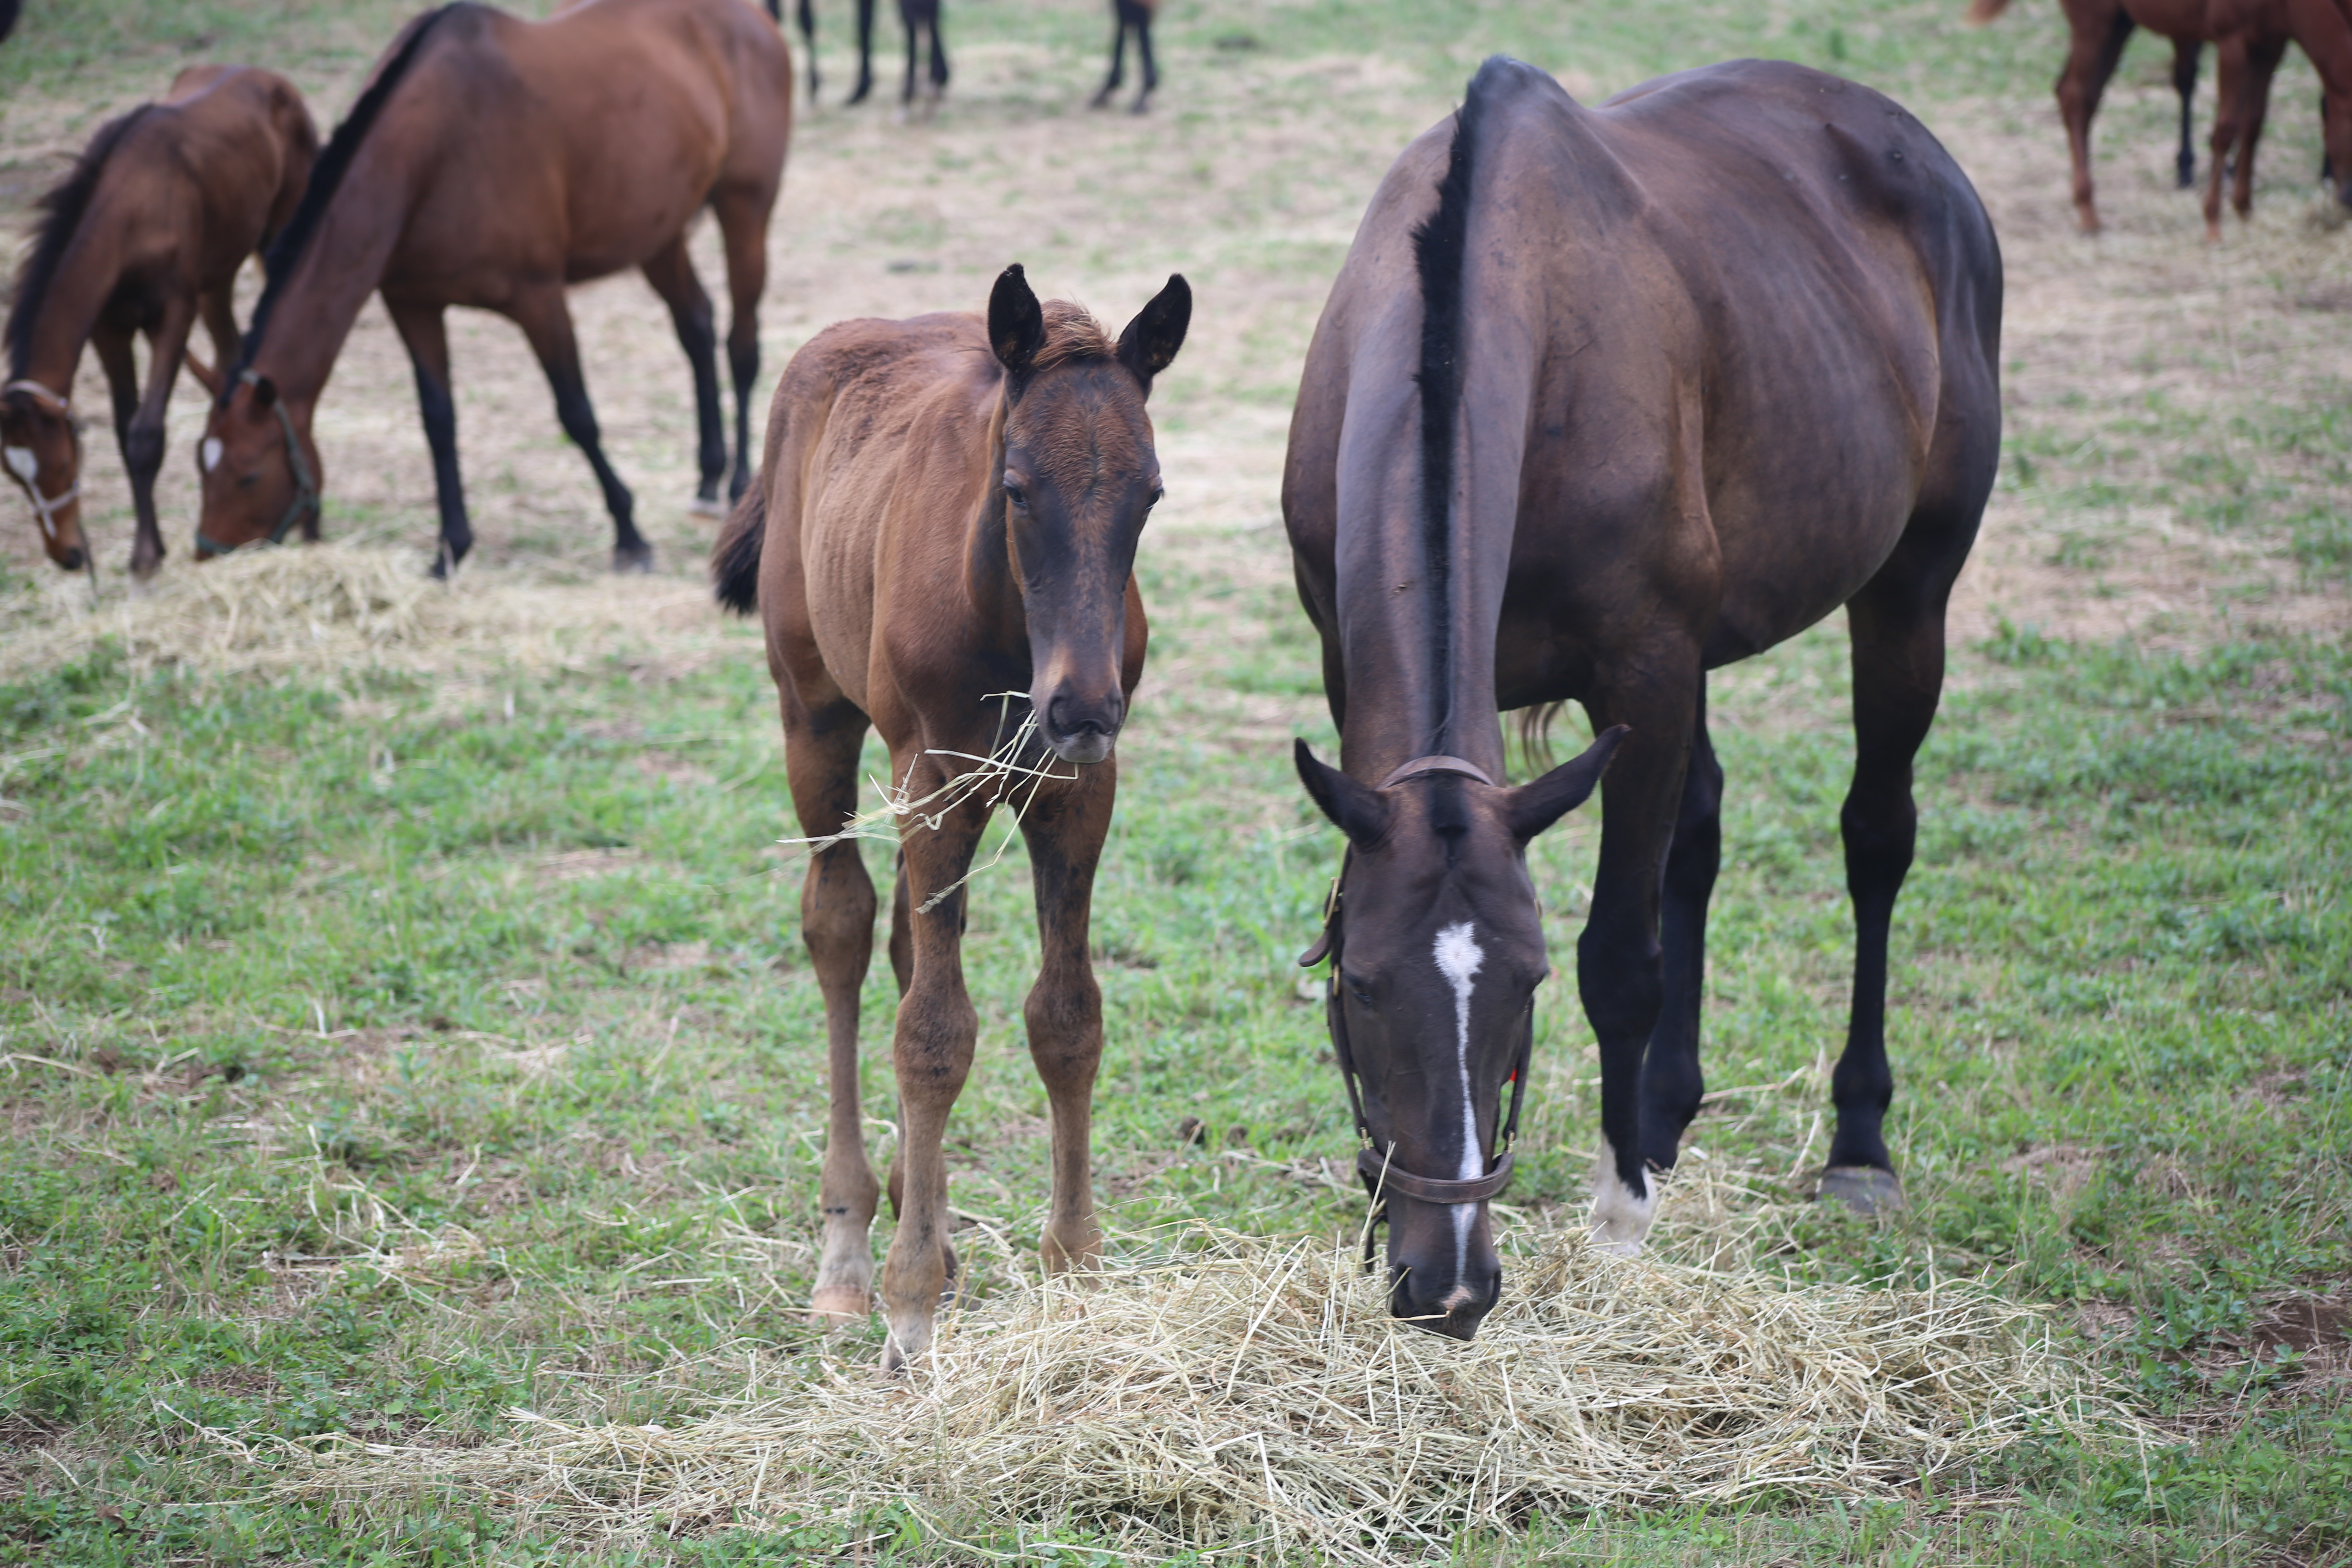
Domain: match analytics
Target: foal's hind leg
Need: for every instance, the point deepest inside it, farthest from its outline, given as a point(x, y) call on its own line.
point(547, 323)
point(671, 272)
point(821, 748)
point(1672, 1084)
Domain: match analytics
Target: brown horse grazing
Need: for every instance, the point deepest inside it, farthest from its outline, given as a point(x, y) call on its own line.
point(1604, 399)
point(1125, 16)
point(491, 161)
point(145, 236)
point(2251, 38)
point(947, 511)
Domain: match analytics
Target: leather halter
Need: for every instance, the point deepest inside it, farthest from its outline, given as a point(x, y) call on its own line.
point(306, 489)
point(1379, 1172)
point(46, 506)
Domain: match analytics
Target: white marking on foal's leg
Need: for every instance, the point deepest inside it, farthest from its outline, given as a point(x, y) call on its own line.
point(1459, 959)
point(1620, 1220)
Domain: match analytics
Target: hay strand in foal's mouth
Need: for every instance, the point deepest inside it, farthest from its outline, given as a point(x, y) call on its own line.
point(996, 775)
point(1252, 1393)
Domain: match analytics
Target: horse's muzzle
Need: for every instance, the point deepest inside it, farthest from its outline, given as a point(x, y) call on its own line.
point(1454, 1308)
point(1082, 730)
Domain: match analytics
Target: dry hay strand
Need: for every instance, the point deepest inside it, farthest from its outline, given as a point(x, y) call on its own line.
point(339, 605)
point(1255, 1398)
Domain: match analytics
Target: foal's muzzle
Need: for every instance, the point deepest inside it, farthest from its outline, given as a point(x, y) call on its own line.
point(1082, 730)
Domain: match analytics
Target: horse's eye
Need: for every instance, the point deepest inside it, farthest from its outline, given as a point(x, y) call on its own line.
point(1358, 989)
point(1157, 491)
point(1017, 495)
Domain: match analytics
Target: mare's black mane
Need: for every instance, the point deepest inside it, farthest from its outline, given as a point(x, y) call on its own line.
point(326, 177)
point(63, 208)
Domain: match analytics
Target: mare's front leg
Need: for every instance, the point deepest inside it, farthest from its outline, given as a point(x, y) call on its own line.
point(121, 367)
point(1619, 962)
point(1672, 1082)
point(822, 742)
point(1064, 831)
point(142, 439)
point(671, 272)
point(546, 320)
point(931, 1051)
point(426, 335)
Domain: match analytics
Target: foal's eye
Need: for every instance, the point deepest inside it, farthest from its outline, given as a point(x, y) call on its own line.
point(1018, 496)
point(1157, 491)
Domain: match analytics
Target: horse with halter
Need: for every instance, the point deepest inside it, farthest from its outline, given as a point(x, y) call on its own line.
point(146, 234)
point(940, 547)
point(1603, 399)
point(491, 161)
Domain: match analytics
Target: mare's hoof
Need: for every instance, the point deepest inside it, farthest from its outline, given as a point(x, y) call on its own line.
point(1865, 1189)
point(707, 506)
point(633, 558)
point(839, 1308)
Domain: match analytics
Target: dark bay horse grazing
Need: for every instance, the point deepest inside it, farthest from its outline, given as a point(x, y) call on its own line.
point(1603, 399)
point(491, 161)
point(145, 236)
point(1130, 17)
point(948, 511)
point(2250, 37)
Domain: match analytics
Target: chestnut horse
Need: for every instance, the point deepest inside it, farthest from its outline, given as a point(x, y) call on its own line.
point(491, 161)
point(145, 236)
point(1604, 399)
point(2251, 38)
point(947, 511)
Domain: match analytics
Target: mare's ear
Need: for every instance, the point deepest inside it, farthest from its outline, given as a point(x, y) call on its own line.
point(1538, 804)
point(1149, 343)
point(1016, 322)
point(264, 394)
point(1355, 808)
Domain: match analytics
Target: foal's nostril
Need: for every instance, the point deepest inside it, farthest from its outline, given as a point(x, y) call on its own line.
point(1067, 717)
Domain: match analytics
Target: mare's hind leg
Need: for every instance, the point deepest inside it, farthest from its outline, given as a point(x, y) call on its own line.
point(743, 227)
point(547, 323)
point(1672, 1084)
point(2184, 83)
point(671, 272)
point(1065, 833)
point(423, 332)
point(821, 746)
point(2092, 54)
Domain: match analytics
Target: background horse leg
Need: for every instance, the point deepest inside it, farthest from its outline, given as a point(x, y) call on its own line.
point(744, 227)
point(931, 1051)
point(2097, 45)
point(907, 88)
point(143, 438)
point(426, 335)
point(1142, 9)
point(822, 742)
point(1064, 833)
point(1672, 1083)
point(864, 51)
point(2185, 52)
point(671, 272)
point(547, 323)
point(1118, 55)
point(808, 42)
point(1620, 968)
point(2262, 58)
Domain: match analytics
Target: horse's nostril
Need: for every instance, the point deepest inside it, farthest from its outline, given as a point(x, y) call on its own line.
point(70, 558)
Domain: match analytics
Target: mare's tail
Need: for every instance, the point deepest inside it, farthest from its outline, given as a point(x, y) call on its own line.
point(1981, 12)
point(735, 559)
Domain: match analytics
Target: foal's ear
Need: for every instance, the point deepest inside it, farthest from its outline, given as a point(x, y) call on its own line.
point(1355, 808)
point(1538, 804)
point(1016, 322)
point(1149, 343)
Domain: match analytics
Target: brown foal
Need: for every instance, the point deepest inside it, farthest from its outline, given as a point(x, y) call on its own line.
point(145, 236)
point(948, 511)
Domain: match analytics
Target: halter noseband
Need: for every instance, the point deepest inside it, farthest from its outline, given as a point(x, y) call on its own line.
point(1380, 1175)
point(306, 489)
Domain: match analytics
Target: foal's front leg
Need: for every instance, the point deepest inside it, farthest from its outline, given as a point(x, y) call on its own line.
point(1064, 832)
point(931, 1051)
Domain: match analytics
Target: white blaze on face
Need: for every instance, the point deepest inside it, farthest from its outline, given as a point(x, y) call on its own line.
point(1458, 959)
point(209, 453)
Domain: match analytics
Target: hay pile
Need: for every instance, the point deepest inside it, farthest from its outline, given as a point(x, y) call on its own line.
point(1258, 1396)
point(343, 604)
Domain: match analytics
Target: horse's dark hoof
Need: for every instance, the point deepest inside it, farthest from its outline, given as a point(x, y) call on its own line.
point(1865, 1189)
point(633, 557)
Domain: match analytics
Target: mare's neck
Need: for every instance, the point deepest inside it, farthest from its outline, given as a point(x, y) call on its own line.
point(331, 281)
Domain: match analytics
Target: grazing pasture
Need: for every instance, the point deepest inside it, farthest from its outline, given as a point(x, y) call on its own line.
point(403, 1017)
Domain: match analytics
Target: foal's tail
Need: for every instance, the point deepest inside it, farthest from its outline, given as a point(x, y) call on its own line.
point(735, 559)
point(1981, 12)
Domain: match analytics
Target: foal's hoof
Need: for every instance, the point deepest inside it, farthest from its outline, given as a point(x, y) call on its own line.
point(839, 1308)
point(633, 557)
point(1865, 1189)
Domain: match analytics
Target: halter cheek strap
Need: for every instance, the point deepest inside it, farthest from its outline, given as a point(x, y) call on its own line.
point(306, 486)
point(46, 508)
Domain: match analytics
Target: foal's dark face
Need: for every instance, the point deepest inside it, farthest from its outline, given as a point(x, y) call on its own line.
point(1439, 951)
point(38, 449)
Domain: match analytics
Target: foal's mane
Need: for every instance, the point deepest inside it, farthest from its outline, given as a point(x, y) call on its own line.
point(1072, 337)
point(326, 177)
point(63, 209)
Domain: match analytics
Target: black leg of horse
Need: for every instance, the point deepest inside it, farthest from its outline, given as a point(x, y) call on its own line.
point(864, 51)
point(671, 272)
point(808, 40)
point(1672, 1083)
point(907, 88)
point(2184, 83)
point(547, 323)
point(1150, 69)
point(424, 334)
point(1117, 59)
point(1897, 626)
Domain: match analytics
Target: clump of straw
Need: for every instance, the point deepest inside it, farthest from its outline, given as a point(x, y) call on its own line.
point(1256, 1396)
